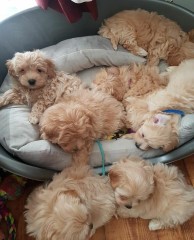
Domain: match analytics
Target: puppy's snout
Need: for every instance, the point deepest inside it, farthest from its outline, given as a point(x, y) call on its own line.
point(91, 226)
point(137, 145)
point(128, 206)
point(32, 82)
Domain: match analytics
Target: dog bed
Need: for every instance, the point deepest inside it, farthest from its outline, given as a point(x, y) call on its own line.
point(84, 56)
point(21, 151)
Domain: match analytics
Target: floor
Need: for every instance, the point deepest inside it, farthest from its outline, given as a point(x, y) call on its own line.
point(122, 229)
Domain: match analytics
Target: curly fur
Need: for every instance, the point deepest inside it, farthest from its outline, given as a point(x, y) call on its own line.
point(156, 192)
point(79, 119)
point(191, 35)
point(132, 80)
point(37, 83)
point(72, 206)
point(148, 34)
point(154, 128)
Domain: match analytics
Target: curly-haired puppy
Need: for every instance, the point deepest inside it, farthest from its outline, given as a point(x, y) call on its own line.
point(80, 118)
point(156, 192)
point(148, 34)
point(72, 206)
point(155, 127)
point(37, 83)
point(133, 80)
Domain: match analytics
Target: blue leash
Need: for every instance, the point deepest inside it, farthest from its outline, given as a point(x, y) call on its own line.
point(103, 157)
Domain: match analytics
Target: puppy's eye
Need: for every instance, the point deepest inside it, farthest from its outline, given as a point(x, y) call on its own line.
point(21, 71)
point(142, 135)
point(123, 198)
point(40, 70)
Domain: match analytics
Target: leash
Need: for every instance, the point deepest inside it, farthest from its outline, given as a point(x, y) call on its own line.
point(102, 156)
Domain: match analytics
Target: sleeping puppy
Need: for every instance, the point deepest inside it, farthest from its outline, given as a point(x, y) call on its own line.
point(156, 192)
point(148, 34)
point(81, 118)
point(133, 80)
point(72, 206)
point(155, 127)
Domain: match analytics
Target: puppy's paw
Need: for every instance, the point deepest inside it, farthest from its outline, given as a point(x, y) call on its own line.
point(33, 119)
point(170, 69)
point(155, 224)
point(141, 52)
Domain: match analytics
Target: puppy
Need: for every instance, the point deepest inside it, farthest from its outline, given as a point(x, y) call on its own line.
point(37, 83)
point(81, 118)
point(133, 80)
point(148, 34)
point(159, 193)
point(72, 206)
point(154, 127)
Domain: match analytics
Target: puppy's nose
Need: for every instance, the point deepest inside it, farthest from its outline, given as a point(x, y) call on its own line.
point(137, 145)
point(91, 226)
point(128, 206)
point(32, 82)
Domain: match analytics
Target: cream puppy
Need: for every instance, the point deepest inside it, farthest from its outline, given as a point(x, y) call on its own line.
point(148, 34)
point(36, 83)
point(81, 118)
point(155, 127)
point(72, 206)
point(133, 80)
point(156, 192)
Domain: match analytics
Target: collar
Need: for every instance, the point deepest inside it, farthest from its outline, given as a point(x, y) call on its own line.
point(174, 111)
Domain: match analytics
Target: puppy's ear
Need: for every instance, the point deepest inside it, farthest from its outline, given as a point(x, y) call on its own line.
point(86, 123)
point(50, 68)
point(48, 133)
point(173, 139)
point(10, 67)
point(161, 119)
point(115, 178)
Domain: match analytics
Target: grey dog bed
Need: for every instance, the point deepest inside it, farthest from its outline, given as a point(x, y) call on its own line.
point(84, 56)
point(21, 151)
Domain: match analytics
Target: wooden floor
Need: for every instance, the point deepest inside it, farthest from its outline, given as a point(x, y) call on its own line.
point(122, 229)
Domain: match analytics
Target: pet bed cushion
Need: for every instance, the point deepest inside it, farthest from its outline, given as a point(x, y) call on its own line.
point(82, 55)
